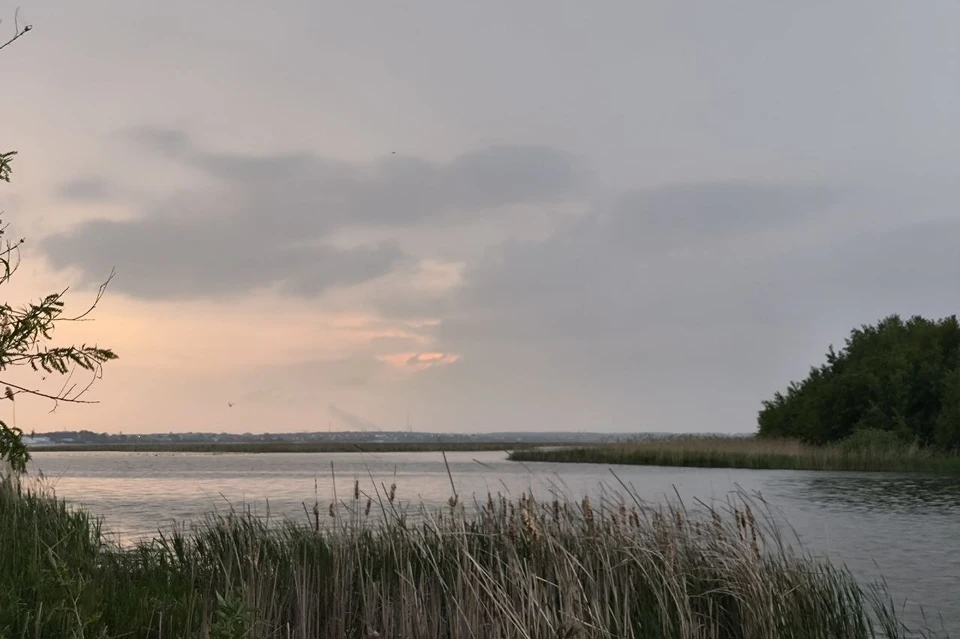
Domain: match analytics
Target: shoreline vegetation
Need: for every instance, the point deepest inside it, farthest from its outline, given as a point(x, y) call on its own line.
point(866, 452)
point(367, 566)
point(895, 379)
point(291, 447)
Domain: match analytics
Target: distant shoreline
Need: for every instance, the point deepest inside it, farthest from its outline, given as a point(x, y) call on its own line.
point(293, 447)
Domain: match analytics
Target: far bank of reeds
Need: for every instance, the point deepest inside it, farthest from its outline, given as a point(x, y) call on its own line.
point(364, 566)
point(286, 447)
point(861, 454)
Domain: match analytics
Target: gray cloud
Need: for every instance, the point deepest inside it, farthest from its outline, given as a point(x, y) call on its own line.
point(686, 214)
point(345, 372)
point(85, 189)
point(352, 421)
point(182, 258)
point(654, 259)
point(161, 140)
point(267, 219)
point(693, 303)
point(909, 269)
point(394, 343)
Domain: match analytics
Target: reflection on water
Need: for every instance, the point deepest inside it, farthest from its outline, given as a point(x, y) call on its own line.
point(905, 526)
point(893, 493)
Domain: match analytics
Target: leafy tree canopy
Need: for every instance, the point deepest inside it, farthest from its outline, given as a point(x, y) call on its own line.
point(901, 377)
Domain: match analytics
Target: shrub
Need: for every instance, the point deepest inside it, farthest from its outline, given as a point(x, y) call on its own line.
point(872, 439)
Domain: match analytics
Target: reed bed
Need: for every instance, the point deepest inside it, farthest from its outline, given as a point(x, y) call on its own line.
point(756, 453)
point(364, 566)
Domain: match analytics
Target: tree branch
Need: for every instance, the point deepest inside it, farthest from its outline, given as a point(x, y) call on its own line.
point(100, 292)
point(69, 400)
point(17, 31)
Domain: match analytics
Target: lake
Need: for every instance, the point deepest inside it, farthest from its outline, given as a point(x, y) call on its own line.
point(905, 527)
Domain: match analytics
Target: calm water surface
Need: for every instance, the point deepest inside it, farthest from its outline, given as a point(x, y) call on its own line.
point(905, 527)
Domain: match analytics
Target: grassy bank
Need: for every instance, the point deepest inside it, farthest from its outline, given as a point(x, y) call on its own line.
point(362, 568)
point(721, 452)
point(286, 447)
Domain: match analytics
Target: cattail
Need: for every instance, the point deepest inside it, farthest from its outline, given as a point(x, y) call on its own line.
point(529, 523)
point(356, 490)
point(752, 521)
point(556, 510)
point(333, 510)
point(453, 501)
point(587, 511)
point(393, 492)
point(366, 511)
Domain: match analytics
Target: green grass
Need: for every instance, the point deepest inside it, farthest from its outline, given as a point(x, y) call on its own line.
point(721, 452)
point(365, 567)
point(285, 447)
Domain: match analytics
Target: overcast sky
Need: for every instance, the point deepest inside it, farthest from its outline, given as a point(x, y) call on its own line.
point(499, 215)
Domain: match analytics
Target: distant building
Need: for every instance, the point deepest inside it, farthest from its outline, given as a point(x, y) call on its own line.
point(33, 441)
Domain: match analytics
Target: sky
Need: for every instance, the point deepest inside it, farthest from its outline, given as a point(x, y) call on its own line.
point(489, 216)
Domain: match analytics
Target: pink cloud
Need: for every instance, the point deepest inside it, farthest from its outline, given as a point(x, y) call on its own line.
point(419, 361)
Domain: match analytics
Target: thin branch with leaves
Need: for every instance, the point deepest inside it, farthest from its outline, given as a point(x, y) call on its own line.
point(26, 335)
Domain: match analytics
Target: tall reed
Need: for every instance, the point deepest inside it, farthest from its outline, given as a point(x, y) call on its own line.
point(368, 567)
point(756, 453)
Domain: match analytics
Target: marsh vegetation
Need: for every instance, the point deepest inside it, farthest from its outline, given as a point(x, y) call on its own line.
point(366, 566)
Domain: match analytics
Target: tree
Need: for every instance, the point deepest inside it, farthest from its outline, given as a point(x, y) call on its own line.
point(897, 378)
point(947, 433)
point(26, 336)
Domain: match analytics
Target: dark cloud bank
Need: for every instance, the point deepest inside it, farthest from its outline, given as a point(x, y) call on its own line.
point(267, 219)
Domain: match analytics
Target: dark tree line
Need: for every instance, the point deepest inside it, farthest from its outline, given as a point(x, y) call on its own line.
point(902, 377)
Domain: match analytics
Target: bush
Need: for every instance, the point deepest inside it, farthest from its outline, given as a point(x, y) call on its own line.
point(874, 440)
